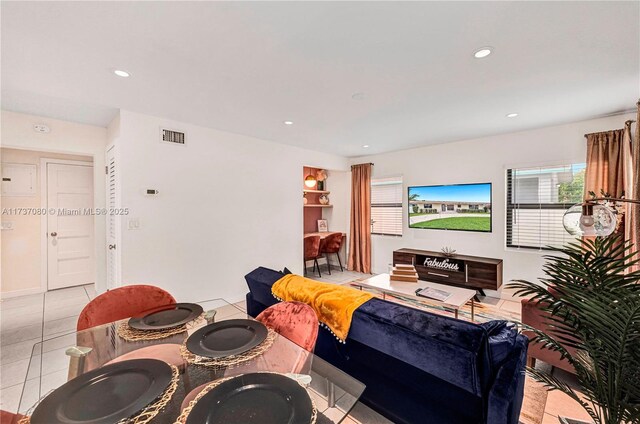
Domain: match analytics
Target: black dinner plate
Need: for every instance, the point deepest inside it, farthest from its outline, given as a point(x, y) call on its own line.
point(260, 398)
point(166, 316)
point(105, 395)
point(226, 338)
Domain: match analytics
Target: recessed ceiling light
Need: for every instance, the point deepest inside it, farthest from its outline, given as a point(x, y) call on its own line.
point(358, 96)
point(482, 52)
point(120, 73)
point(288, 122)
point(512, 115)
point(366, 146)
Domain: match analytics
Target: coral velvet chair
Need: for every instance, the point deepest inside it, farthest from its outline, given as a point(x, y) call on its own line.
point(167, 352)
point(312, 252)
point(295, 321)
point(123, 302)
point(7, 417)
point(535, 317)
point(332, 244)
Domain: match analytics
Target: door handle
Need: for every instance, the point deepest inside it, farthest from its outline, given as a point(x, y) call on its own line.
point(54, 234)
point(112, 246)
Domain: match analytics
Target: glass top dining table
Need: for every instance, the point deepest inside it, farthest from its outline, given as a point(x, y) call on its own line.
point(53, 363)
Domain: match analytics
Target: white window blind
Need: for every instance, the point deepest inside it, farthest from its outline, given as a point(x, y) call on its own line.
point(386, 206)
point(537, 198)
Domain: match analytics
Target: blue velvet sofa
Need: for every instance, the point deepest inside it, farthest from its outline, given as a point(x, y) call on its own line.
point(421, 367)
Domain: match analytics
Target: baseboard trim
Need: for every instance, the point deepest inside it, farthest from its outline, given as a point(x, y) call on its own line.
point(23, 292)
point(236, 299)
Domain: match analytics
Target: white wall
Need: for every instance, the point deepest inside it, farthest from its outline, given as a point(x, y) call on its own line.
point(338, 217)
point(480, 160)
point(227, 204)
point(70, 138)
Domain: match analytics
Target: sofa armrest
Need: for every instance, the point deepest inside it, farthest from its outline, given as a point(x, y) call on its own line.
point(260, 281)
point(507, 391)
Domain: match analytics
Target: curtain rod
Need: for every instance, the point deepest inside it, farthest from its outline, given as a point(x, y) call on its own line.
point(370, 163)
point(603, 132)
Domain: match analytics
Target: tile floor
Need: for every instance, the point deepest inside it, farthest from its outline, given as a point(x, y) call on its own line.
point(27, 320)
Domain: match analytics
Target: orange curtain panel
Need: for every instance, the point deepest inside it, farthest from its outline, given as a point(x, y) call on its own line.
point(634, 213)
point(606, 166)
point(360, 240)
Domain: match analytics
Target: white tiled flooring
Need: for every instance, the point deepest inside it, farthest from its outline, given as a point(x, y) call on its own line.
point(26, 320)
point(336, 276)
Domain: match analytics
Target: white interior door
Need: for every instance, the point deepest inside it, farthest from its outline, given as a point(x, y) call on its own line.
point(70, 230)
point(112, 221)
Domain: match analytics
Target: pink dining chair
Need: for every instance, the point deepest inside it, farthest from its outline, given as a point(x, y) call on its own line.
point(125, 302)
point(295, 321)
point(120, 303)
point(332, 244)
point(7, 417)
point(167, 352)
point(312, 252)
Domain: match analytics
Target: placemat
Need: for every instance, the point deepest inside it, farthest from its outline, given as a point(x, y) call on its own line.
point(134, 335)
point(229, 361)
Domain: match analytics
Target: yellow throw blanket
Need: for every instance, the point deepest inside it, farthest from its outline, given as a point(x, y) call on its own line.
point(333, 304)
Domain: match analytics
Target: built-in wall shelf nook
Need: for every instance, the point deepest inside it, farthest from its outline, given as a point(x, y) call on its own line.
point(318, 206)
point(316, 191)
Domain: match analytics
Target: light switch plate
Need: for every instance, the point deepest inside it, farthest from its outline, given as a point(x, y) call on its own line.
point(6, 225)
point(133, 224)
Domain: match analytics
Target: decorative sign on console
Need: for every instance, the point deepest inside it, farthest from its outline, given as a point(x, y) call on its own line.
point(445, 264)
point(472, 272)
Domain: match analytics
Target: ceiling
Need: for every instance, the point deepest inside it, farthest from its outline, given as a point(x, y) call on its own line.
point(246, 67)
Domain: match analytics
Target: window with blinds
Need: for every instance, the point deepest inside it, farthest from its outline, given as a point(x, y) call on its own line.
point(386, 206)
point(537, 198)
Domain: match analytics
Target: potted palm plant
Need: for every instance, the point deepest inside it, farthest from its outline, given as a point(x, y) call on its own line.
point(592, 301)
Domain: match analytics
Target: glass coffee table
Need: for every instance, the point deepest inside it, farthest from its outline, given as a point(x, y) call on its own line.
point(383, 284)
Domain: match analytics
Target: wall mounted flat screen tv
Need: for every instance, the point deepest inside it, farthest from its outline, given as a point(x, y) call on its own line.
point(459, 207)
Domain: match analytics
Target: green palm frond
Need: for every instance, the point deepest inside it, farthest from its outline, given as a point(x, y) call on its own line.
point(593, 303)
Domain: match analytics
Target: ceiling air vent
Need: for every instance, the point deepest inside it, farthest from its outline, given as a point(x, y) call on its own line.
point(172, 136)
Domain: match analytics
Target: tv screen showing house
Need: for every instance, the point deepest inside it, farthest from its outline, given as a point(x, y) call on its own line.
point(460, 207)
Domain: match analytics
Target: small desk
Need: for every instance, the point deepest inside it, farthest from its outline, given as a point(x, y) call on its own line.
point(381, 283)
point(324, 234)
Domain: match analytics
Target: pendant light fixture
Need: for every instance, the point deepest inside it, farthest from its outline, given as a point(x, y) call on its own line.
point(592, 218)
point(310, 181)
